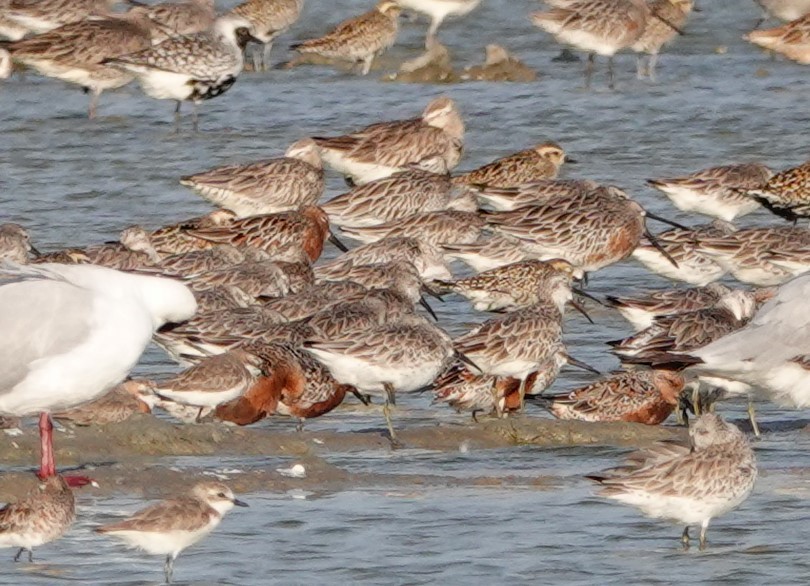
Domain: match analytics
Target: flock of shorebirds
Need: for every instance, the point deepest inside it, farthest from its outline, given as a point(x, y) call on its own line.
point(239, 299)
point(185, 51)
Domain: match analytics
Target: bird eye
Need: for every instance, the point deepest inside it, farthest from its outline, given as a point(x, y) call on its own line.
point(222, 495)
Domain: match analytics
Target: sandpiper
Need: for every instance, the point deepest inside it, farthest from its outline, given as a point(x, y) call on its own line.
point(433, 142)
point(80, 52)
point(439, 228)
point(641, 396)
point(395, 197)
point(666, 20)
point(787, 194)
point(791, 40)
point(191, 68)
point(598, 27)
point(687, 484)
point(265, 187)
point(642, 309)
point(39, 518)
point(716, 191)
point(270, 18)
point(122, 402)
point(427, 258)
point(535, 164)
point(170, 526)
point(359, 39)
point(684, 246)
point(181, 18)
point(15, 244)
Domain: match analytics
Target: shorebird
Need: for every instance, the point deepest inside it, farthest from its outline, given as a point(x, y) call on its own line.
point(504, 199)
point(598, 27)
point(170, 526)
point(761, 256)
point(785, 10)
point(314, 299)
point(439, 228)
point(213, 380)
point(684, 246)
point(791, 40)
point(479, 393)
point(15, 244)
point(79, 52)
point(293, 384)
point(686, 331)
point(438, 10)
point(214, 332)
point(119, 404)
point(787, 194)
point(769, 356)
point(176, 238)
point(641, 310)
point(270, 18)
point(524, 341)
point(666, 20)
point(191, 68)
point(433, 142)
point(45, 15)
point(307, 228)
point(687, 484)
point(189, 265)
point(359, 39)
point(717, 191)
point(399, 358)
point(511, 286)
point(489, 252)
point(39, 518)
point(426, 257)
point(255, 278)
point(346, 318)
point(640, 396)
point(590, 229)
point(181, 18)
point(535, 164)
point(265, 187)
point(73, 332)
point(395, 197)
point(219, 298)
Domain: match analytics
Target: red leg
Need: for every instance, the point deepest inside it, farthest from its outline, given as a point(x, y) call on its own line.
point(47, 466)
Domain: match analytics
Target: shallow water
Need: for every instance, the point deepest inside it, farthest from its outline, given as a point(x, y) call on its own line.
point(73, 181)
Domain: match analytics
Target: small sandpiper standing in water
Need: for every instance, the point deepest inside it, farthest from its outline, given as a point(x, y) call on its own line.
point(170, 526)
point(687, 484)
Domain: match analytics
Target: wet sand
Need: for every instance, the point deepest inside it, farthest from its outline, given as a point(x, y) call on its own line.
point(136, 456)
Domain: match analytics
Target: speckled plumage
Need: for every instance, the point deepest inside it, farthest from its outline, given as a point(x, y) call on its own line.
point(79, 52)
point(511, 286)
point(41, 517)
point(694, 267)
point(360, 38)
point(641, 309)
point(427, 258)
point(433, 142)
point(787, 193)
point(15, 243)
point(265, 187)
point(689, 484)
point(687, 331)
point(396, 197)
point(534, 193)
point(716, 191)
point(535, 164)
point(641, 396)
point(436, 227)
point(591, 230)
